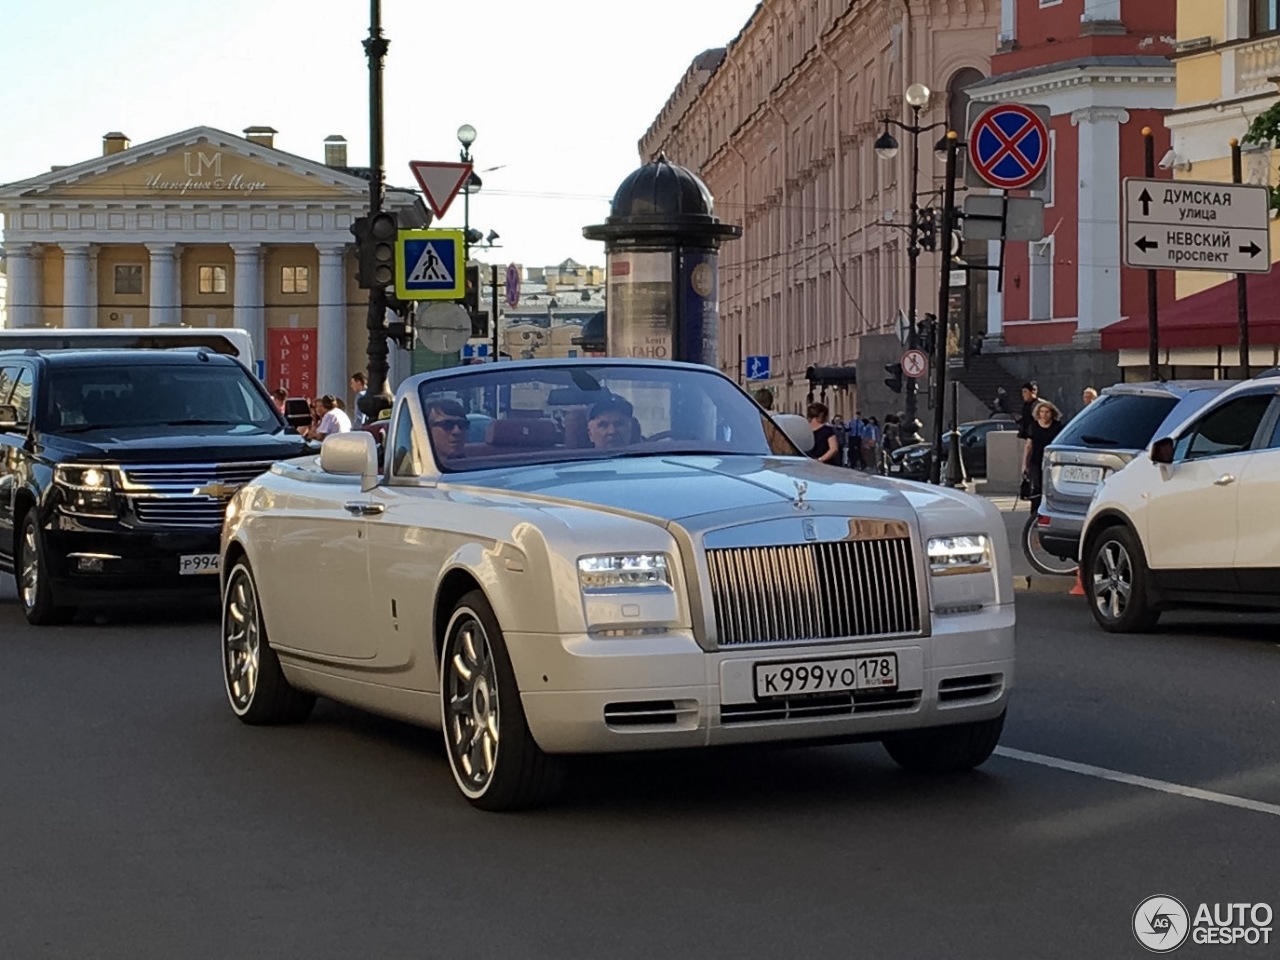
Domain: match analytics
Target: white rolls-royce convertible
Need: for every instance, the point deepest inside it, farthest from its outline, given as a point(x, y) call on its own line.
point(570, 556)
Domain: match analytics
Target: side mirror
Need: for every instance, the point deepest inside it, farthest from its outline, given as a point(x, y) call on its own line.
point(1162, 451)
point(8, 415)
point(797, 430)
point(351, 454)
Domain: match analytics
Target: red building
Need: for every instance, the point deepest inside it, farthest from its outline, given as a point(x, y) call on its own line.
point(1102, 69)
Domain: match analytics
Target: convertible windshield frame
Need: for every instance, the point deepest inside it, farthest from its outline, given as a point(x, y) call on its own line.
point(550, 412)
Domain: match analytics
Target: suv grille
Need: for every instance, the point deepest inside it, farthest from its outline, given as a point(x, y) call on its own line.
point(193, 475)
point(165, 495)
point(814, 591)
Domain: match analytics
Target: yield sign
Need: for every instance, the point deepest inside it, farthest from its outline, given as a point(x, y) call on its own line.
point(440, 181)
point(1009, 146)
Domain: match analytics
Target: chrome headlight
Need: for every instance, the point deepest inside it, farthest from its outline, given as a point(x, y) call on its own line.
point(966, 553)
point(86, 490)
point(623, 571)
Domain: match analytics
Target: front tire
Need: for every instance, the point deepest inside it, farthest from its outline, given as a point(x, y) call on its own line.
point(946, 749)
point(1115, 581)
point(495, 761)
point(36, 587)
point(256, 687)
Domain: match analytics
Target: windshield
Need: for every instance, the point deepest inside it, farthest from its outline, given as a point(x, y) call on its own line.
point(1117, 421)
point(562, 412)
point(83, 399)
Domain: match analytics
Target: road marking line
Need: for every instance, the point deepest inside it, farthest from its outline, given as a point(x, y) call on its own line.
point(1101, 773)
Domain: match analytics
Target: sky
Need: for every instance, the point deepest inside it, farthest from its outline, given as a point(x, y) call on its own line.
point(559, 91)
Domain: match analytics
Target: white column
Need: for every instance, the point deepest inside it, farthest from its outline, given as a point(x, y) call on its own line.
point(1008, 20)
point(995, 296)
point(331, 336)
point(78, 302)
point(248, 311)
point(1098, 253)
point(165, 297)
point(23, 272)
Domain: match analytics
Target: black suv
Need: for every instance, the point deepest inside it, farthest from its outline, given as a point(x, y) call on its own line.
point(116, 467)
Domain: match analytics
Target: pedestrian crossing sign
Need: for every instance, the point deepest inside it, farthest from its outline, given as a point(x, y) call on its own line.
point(429, 265)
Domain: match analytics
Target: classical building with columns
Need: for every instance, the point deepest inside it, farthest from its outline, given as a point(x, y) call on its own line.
point(203, 229)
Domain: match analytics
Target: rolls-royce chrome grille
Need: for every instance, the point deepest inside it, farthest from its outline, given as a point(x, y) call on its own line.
point(814, 591)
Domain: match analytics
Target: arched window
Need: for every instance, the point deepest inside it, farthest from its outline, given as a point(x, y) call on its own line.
point(958, 98)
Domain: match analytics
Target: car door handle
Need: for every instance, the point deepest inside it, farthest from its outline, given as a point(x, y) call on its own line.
point(1225, 480)
point(361, 508)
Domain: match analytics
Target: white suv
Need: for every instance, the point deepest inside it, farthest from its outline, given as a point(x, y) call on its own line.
point(1194, 522)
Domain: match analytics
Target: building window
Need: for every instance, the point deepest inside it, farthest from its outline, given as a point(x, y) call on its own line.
point(1049, 3)
point(295, 279)
point(213, 279)
point(1041, 270)
point(1265, 17)
point(128, 278)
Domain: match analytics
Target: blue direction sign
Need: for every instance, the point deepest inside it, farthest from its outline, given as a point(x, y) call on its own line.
point(1008, 145)
point(429, 265)
point(471, 351)
point(757, 368)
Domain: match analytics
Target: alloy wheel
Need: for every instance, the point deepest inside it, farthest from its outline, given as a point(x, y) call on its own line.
point(29, 580)
point(241, 641)
point(471, 712)
point(1112, 580)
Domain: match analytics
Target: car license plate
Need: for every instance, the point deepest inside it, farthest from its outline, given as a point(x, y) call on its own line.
point(1074, 474)
point(193, 563)
point(793, 678)
point(895, 468)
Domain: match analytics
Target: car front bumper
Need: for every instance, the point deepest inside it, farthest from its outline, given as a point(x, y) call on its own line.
point(108, 562)
point(587, 695)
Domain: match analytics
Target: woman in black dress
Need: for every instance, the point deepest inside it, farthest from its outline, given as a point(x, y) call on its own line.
point(1046, 424)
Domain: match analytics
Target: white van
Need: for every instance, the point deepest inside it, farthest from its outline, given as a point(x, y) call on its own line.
point(231, 341)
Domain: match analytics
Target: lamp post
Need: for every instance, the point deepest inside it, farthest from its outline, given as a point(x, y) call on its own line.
point(466, 137)
point(886, 146)
point(376, 397)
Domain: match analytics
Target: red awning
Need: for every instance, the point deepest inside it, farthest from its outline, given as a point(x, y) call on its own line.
point(1206, 319)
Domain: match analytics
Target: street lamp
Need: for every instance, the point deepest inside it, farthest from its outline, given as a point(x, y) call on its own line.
point(886, 147)
point(466, 137)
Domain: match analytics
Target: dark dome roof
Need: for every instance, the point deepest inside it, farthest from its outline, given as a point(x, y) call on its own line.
point(662, 198)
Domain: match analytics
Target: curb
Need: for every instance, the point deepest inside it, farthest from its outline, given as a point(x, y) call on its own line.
point(1043, 584)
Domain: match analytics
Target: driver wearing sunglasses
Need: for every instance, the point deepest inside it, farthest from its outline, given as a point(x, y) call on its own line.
point(448, 423)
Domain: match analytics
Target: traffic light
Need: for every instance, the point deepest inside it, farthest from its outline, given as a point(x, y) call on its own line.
point(376, 240)
point(894, 380)
point(400, 328)
point(928, 228)
point(927, 333)
point(471, 302)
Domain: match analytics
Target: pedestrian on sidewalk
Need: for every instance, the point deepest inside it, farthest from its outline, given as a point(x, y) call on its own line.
point(825, 449)
point(1045, 427)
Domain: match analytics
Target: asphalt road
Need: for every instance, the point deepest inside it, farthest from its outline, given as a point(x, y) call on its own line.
point(138, 819)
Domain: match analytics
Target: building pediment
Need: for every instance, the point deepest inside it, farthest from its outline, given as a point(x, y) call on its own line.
point(202, 165)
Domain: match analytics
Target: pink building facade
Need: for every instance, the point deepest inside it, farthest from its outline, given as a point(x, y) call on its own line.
point(780, 125)
point(1102, 68)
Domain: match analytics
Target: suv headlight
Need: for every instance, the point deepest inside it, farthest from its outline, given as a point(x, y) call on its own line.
point(87, 490)
point(966, 553)
point(623, 571)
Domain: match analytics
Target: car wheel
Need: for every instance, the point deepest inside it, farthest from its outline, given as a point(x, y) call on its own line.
point(946, 749)
point(36, 586)
point(495, 760)
point(256, 687)
point(1115, 582)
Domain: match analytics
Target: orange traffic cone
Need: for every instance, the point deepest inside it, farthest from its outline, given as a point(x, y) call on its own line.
point(1078, 589)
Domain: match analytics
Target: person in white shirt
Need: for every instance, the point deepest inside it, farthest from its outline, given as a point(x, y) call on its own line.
point(334, 419)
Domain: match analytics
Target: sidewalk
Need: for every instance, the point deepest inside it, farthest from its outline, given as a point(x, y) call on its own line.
point(1015, 513)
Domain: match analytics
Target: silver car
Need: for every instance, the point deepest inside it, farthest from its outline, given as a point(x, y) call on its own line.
point(1101, 439)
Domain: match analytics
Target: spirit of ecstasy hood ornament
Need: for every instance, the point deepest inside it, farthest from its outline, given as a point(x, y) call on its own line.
point(801, 489)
